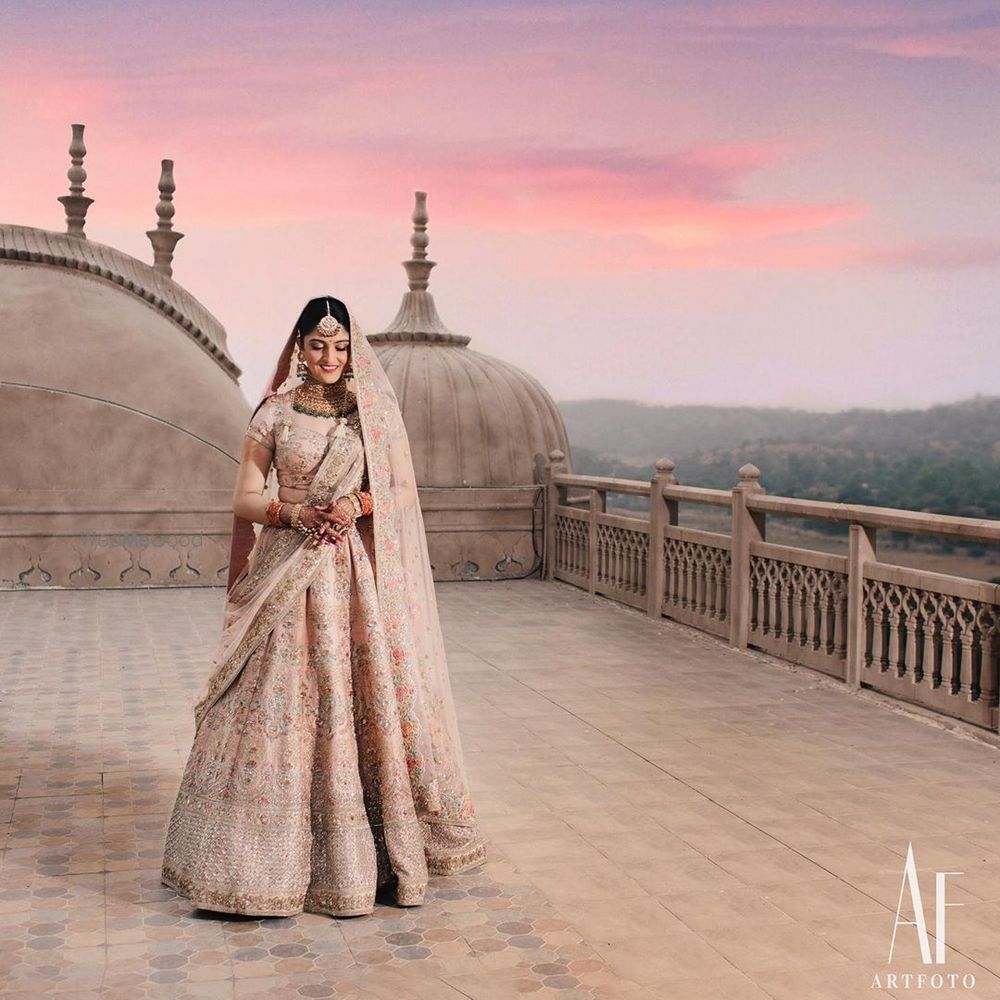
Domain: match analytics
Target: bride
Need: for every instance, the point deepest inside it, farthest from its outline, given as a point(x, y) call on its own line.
point(326, 760)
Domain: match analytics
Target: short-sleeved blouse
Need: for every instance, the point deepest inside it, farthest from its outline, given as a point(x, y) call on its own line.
point(297, 442)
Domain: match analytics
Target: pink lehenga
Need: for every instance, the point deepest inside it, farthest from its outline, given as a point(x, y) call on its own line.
point(326, 760)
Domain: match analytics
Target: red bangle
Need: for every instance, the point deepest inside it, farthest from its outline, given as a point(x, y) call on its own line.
point(274, 513)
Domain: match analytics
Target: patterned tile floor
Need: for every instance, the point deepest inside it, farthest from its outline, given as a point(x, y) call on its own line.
point(666, 818)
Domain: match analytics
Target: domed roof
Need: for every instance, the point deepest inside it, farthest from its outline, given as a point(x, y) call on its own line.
point(25, 243)
point(122, 416)
point(119, 397)
point(115, 378)
point(472, 419)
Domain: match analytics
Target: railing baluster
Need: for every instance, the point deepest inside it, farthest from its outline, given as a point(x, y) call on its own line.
point(812, 596)
point(878, 637)
point(932, 651)
point(897, 653)
point(965, 678)
point(989, 676)
point(794, 607)
point(910, 646)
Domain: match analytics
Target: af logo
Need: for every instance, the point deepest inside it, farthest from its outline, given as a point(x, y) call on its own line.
point(919, 920)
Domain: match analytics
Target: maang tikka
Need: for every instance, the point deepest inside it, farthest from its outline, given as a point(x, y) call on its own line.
point(329, 324)
point(327, 327)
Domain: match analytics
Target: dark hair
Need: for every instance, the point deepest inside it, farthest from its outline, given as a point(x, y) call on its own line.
point(316, 309)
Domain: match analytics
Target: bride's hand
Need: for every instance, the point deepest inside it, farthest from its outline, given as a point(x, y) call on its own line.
point(339, 517)
point(321, 518)
point(343, 512)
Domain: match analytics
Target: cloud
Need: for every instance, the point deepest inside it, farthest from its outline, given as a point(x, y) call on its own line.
point(265, 135)
point(965, 30)
point(934, 255)
point(637, 253)
point(836, 15)
point(975, 45)
point(687, 201)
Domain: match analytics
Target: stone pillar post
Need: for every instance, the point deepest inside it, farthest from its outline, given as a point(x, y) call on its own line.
point(555, 495)
point(748, 526)
point(861, 548)
point(661, 513)
point(598, 505)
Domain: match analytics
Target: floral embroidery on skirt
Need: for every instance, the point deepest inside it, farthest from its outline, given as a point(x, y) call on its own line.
point(296, 794)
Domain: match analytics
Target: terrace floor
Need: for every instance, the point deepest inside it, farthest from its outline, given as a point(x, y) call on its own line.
point(666, 817)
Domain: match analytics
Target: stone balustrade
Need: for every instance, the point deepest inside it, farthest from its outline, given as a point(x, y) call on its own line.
point(925, 638)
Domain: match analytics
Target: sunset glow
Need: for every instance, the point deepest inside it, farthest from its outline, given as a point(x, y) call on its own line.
point(709, 183)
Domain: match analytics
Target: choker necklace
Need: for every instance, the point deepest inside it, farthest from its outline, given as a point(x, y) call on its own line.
point(319, 399)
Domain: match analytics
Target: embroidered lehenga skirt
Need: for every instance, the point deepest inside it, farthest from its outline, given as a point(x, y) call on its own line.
point(295, 795)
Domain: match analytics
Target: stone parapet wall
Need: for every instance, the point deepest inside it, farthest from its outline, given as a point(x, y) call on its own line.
point(49, 542)
point(156, 556)
point(479, 533)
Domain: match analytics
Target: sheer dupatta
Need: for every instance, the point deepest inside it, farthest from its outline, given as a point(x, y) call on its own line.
point(406, 596)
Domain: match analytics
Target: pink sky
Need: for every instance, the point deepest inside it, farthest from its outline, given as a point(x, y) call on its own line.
point(753, 202)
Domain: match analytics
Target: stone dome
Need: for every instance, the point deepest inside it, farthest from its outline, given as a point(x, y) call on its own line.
point(480, 432)
point(472, 419)
point(122, 417)
point(100, 372)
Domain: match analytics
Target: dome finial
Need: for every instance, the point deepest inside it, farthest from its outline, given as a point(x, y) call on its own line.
point(163, 237)
point(418, 267)
point(76, 202)
point(419, 238)
point(418, 317)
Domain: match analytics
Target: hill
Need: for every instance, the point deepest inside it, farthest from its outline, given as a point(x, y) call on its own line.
point(944, 459)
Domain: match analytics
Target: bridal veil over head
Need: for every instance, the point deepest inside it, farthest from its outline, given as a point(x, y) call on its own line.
point(406, 596)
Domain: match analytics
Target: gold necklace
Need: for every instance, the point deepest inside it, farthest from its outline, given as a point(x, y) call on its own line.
point(319, 399)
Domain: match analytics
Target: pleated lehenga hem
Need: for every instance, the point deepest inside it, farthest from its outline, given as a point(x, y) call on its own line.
point(455, 864)
point(227, 901)
point(313, 901)
point(259, 905)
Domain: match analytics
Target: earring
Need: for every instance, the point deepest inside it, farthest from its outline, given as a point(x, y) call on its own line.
point(300, 368)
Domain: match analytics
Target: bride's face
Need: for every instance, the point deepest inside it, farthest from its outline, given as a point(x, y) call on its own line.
point(326, 357)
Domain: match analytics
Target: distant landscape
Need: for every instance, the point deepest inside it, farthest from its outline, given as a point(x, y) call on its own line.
point(944, 459)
